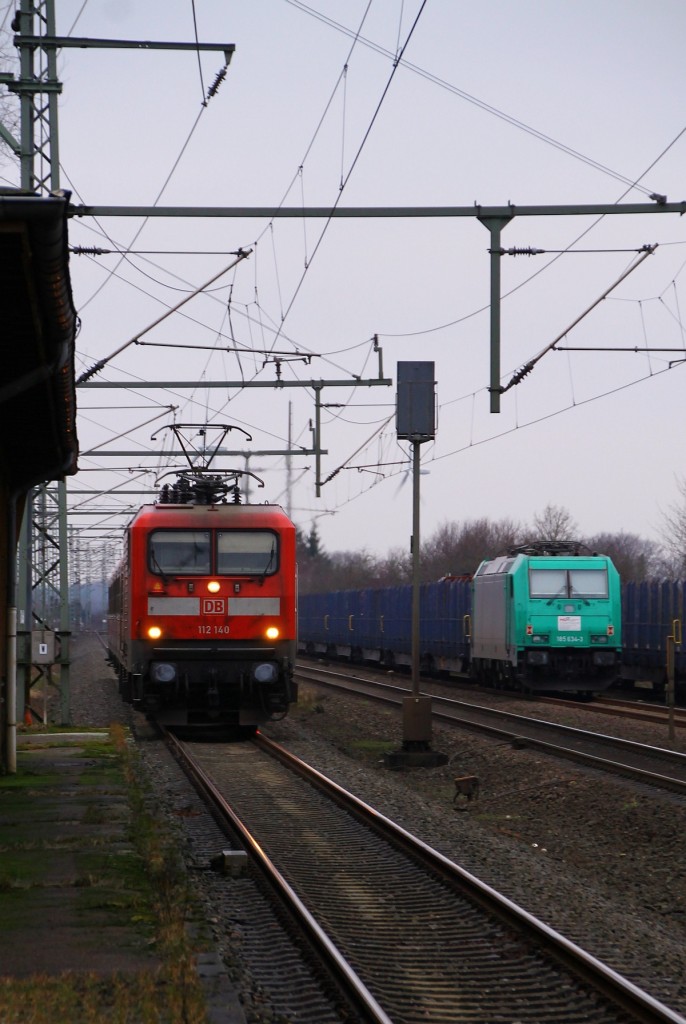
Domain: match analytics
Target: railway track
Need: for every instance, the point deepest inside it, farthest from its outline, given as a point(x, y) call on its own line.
point(654, 765)
point(409, 935)
point(637, 710)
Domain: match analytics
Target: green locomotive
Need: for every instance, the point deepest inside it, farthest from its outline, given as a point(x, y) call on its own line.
point(545, 617)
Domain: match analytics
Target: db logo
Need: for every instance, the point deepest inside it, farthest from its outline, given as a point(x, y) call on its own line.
point(213, 606)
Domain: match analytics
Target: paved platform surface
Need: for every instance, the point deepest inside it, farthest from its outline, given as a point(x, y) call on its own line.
point(69, 874)
point(63, 904)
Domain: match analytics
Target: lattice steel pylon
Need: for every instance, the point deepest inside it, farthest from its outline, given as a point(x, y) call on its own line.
point(43, 584)
point(38, 89)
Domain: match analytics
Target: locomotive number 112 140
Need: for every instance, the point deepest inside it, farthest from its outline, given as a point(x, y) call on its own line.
point(213, 630)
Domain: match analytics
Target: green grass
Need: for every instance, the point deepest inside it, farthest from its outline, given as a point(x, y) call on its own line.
point(370, 750)
point(144, 998)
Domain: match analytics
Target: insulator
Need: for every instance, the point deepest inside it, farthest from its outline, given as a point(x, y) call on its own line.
point(221, 75)
point(89, 250)
point(87, 374)
point(526, 251)
point(521, 374)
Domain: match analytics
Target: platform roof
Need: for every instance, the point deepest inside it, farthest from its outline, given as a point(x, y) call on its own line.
point(38, 440)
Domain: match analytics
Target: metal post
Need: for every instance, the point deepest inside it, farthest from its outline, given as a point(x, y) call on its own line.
point(9, 719)
point(495, 226)
point(416, 457)
point(289, 462)
point(51, 68)
point(12, 690)
point(24, 602)
point(26, 100)
point(65, 625)
point(318, 439)
point(416, 423)
point(672, 640)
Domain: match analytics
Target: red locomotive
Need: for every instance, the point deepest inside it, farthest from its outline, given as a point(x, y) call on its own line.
point(202, 607)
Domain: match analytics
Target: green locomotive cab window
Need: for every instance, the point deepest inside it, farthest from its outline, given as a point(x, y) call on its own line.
point(179, 551)
point(588, 583)
point(552, 582)
point(247, 552)
point(548, 582)
point(496, 565)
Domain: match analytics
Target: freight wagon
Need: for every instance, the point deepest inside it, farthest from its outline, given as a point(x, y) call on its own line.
point(539, 618)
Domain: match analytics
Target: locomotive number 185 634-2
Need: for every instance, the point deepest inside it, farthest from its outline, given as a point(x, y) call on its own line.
point(213, 630)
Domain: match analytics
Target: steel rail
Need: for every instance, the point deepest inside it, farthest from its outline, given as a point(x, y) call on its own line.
point(358, 994)
point(618, 990)
point(638, 710)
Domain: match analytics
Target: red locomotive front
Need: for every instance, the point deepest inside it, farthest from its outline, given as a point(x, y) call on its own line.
point(203, 613)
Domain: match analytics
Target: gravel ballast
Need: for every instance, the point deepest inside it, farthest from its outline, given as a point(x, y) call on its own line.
point(599, 858)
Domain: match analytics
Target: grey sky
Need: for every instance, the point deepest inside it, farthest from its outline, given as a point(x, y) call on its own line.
point(498, 101)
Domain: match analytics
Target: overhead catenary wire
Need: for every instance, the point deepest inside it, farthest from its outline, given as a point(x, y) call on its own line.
point(132, 341)
point(210, 293)
point(482, 105)
point(528, 366)
point(557, 256)
point(356, 158)
point(132, 389)
point(159, 195)
point(479, 442)
point(153, 419)
point(195, 32)
point(165, 184)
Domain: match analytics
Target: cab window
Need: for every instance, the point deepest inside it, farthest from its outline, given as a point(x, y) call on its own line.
point(548, 582)
point(568, 583)
point(247, 552)
point(180, 551)
point(588, 583)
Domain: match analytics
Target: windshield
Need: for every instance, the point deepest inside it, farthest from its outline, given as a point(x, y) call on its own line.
point(568, 583)
point(180, 551)
point(548, 582)
point(588, 582)
point(247, 552)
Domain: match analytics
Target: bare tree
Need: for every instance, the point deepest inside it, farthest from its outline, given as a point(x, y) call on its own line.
point(673, 533)
point(635, 558)
point(395, 568)
point(554, 524)
point(456, 549)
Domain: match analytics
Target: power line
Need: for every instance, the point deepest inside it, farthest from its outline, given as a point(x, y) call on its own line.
point(481, 104)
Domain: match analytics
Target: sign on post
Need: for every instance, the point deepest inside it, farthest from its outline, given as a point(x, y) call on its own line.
point(416, 402)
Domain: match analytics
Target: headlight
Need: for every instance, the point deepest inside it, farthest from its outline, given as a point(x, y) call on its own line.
point(265, 672)
point(540, 638)
point(154, 632)
point(163, 672)
point(272, 633)
point(598, 638)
